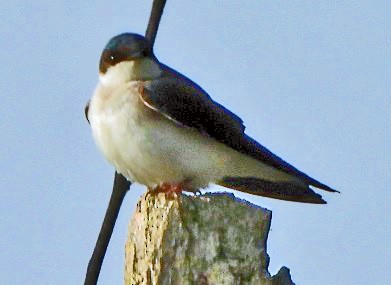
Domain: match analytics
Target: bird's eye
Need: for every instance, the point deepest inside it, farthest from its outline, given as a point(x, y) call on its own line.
point(109, 58)
point(113, 57)
point(145, 52)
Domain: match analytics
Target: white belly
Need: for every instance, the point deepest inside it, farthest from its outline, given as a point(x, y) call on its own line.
point(148, 148)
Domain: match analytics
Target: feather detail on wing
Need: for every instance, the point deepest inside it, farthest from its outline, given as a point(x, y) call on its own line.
point(189, 105)
point(184, 102)
point(278, 190)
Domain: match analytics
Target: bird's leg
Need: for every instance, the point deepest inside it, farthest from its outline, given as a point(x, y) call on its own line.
point(170, 189)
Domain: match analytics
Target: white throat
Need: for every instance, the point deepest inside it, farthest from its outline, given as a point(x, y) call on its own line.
point(134, 70)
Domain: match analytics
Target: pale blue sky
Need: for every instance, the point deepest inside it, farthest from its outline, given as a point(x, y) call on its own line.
point(311, 80)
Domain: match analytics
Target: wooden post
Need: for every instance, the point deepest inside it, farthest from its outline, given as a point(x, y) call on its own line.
point(206, 239)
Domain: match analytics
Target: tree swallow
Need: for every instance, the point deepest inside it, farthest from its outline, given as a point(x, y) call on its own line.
point(162, 130)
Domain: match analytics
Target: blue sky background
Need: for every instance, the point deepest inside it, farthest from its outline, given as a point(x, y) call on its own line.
point(311, 80)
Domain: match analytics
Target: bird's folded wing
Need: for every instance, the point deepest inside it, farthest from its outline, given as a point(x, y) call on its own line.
point(184, 102)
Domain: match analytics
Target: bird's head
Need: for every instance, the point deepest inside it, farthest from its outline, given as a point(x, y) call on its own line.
point(128, 57)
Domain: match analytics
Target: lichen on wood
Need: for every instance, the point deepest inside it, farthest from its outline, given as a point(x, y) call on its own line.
point(205, 239)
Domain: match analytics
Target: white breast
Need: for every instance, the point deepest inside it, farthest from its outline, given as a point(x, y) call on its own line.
point(150, 149)
point(147, 147)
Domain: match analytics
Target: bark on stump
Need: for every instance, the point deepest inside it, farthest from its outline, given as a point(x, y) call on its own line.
point(207, 239)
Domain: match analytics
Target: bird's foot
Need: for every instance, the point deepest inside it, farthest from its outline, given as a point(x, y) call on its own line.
point(171, 187)
point(172, 190)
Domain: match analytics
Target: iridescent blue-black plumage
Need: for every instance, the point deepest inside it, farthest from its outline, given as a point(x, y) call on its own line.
point(123, 47)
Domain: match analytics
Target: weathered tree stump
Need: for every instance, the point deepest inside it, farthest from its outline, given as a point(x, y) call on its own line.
point(207, 239)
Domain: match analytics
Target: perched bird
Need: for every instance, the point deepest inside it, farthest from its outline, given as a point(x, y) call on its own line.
point(162, 130)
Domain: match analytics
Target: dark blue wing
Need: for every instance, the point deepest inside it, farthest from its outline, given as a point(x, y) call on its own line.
point(183, 101)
